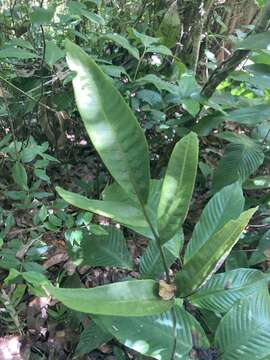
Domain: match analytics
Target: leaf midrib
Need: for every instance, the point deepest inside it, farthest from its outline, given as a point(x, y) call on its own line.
point(115, 135)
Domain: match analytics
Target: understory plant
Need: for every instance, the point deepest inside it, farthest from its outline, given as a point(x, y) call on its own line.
point(188, 313)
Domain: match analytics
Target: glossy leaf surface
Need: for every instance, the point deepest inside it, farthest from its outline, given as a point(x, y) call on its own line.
point(238, 163)
point(223, 290)
point(224, 206)
point(177, 187)
point(111, 125)
point(127, 298)
point(118, 211)
point(152, 335)
point(244, 332)
point(211, 255)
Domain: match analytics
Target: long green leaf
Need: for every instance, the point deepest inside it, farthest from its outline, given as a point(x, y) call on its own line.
point(128, 298)
point(211, 255)
point(226, 205)
point(244, 332)
point(237, 164)
point(223, 290)
point(118, 211)
point(262, 250)
point(153, 335)
point(106, 250)
point(177, 187)
point(111, 125)
point(252, 115)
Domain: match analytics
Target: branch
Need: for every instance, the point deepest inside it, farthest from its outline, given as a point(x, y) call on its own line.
point(223, 70)
point(198, 30)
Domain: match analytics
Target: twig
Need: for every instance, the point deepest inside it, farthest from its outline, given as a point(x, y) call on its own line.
point(27, 95)
point(204, 12)
point(223, 70)
point(157, 238)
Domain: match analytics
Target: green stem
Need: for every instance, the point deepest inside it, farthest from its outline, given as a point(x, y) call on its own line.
point(139, 64)
point(173, 312)
point(157, 238)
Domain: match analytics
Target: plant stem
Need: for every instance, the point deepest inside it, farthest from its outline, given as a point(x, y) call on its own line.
point(157, 238)
point(173, 312)
point(139, 64)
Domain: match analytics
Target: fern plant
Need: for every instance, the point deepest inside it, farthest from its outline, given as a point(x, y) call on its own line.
point(150, 317)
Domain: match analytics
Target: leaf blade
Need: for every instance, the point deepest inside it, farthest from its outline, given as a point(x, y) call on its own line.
point(244, 332)
point(211, 255)
point(128, 298)
point(153, 336)
point(177, 187)
point(225, 205)
point(112, 127)
point(107, 250)
point(124, 213)
point(225, 289)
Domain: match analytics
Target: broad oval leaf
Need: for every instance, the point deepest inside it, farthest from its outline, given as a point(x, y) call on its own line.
point(225, 205)
point(177, 187)
point(244, 332)
point(153, 335)
point(41, 16)
point(223, 290)
point(20, 175)
point(211, 255)
point(127, 298)
point(111, 125)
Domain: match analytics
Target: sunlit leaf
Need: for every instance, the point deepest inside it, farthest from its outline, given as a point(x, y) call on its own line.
point(244, 332)
point(177, 187)
point(127, 298)
point(112, 127)
point(225, 205)
point(153, 336)
point(223, 290)
point(211, 255)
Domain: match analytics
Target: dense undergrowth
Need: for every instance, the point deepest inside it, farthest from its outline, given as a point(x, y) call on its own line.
point(134, 176)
